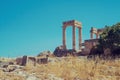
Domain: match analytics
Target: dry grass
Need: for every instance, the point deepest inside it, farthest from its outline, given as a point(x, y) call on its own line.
point(74, 68)
point(6, 59)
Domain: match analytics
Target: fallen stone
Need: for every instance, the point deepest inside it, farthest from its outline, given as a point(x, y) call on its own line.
point(32, 78)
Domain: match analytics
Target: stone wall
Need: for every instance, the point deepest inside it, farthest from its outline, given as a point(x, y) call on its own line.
point(88, 44)
point(27, 60)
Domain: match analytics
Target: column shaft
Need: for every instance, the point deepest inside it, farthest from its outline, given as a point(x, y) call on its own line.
point(80, 38)
point(64, 37)
point(91, 35)
point(74, 38)
point(97, 35)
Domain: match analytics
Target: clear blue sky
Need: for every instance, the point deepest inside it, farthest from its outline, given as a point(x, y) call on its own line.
point(28, 27)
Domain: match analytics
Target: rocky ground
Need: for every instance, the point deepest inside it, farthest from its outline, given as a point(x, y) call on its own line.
point(70, 68)
point(17, 72)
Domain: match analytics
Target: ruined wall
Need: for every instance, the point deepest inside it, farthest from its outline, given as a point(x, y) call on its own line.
point(31, 61)
point(88, 44)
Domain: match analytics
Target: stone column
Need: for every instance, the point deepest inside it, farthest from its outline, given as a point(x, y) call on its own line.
point(91, 35)
point(80, 38)
point(74, 38)
point(64, 37)
point(97, 35)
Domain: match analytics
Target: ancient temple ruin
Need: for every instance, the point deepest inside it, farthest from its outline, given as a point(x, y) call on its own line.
point(85, 47)
point(74, 24)
point(88, 44)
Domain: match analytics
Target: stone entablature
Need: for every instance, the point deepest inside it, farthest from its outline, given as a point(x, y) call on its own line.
point(72, 23)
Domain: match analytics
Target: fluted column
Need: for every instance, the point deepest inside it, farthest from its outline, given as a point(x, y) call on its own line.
point(74, 38)
point(80, 38)
point(64, 37)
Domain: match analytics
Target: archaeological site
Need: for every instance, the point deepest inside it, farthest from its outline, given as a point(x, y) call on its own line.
point(84, 47)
